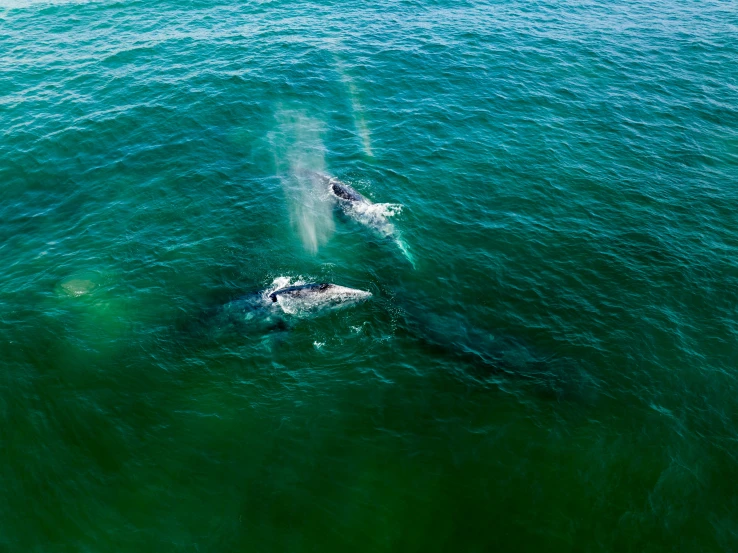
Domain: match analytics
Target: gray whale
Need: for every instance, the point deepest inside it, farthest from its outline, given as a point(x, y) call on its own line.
point(373, 216)
point(358, 207)
point(271, 309)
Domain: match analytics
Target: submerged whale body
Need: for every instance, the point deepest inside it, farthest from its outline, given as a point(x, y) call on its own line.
point(501, 357)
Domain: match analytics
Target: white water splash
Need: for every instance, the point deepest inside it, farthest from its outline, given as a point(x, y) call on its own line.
point(374, 216)
point(282, 282)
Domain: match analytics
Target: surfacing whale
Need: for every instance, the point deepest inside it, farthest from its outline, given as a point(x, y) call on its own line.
point(271, 309)
point(310, 298)
point(371, 215)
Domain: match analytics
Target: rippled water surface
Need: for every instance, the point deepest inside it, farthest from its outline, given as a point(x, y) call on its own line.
point(548, 359)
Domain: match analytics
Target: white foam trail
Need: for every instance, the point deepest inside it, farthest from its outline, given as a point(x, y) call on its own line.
point(405, 251)
point(277, 284)
point(375, 216)
point(380, 210)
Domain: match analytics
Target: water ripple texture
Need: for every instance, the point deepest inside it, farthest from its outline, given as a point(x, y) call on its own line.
point(553, 370)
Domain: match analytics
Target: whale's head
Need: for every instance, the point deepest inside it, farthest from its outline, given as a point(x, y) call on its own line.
point(344, 192)
point(309, 298)
point(339, 189)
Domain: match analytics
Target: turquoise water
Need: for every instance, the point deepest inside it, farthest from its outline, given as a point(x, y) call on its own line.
point(555, 370)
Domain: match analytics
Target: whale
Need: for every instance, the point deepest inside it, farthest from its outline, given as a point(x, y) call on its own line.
point(495, 356)
point(311, 298)
point(273, 309)
point(362, 210)
point(358, 207)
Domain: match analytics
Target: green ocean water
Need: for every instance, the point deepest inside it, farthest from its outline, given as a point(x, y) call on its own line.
point(550, 366)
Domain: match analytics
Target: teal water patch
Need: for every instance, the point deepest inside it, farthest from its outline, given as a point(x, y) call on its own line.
point(555, 370)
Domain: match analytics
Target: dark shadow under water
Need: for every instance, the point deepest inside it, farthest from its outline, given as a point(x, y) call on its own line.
point(484, 356)
point(495, 356)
